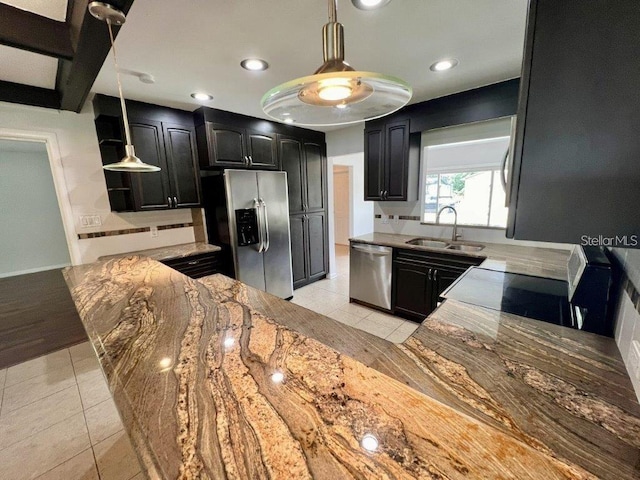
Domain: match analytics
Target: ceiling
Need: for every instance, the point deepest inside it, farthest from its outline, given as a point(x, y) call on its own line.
point(21, 66)
point(197, 45)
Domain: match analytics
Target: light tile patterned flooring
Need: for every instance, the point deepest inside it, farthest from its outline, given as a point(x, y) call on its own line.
point(330, 297)
point(57, 419)
point(58, 422)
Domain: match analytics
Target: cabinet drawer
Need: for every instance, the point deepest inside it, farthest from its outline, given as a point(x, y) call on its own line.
point(198, 266)
point(445, 261)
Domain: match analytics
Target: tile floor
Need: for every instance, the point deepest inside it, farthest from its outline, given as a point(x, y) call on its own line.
point(58, 422)
point(57, 419)
point(330, 297)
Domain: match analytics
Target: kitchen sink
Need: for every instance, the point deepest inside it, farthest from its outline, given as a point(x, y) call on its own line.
point(465, 247)
point(428, 242)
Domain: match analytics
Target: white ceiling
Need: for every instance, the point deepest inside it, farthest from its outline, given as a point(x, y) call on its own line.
point(28, 68)
point(56, 9)
point(20, 66)
point(197, 45)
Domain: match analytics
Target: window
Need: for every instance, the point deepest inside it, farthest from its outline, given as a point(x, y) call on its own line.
point(461, 169)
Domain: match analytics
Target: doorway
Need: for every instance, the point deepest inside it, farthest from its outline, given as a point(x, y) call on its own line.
point(342, 204)
point(33, 237)
point(36, 311)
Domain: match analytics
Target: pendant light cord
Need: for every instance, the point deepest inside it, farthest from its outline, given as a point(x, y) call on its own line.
point(333, 11)
point(127, 133)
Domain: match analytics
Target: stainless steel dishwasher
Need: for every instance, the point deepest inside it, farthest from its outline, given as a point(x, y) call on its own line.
point(370, 274)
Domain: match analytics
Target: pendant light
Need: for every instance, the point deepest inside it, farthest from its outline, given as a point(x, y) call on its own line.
point(336, 94)
point(130, 163)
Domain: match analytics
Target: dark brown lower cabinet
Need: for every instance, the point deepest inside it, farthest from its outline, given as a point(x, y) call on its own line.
point(309, 256)
point(197, 266)
point(420, 277)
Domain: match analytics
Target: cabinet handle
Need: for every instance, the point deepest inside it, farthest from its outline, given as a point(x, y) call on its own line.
point(169, 200)
point(250, 159)
point(246, 159)
point(386, 194)
point(175, 202)
point(194, 262)
point(381, 195)
point(429, 274)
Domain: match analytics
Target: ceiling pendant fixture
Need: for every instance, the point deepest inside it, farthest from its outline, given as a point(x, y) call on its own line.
point(130, 163)
point(336, 94)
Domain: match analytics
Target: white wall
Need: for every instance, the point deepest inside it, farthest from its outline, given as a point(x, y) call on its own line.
point(32, 235)
point(86, 189)
point(628, 318)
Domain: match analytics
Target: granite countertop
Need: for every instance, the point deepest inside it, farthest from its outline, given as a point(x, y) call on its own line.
point(190, 365)
point(541, 262)
point(171, 252)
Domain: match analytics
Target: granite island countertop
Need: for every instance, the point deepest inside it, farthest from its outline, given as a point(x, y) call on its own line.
point(541, 262)
point(171, 252)
point(191, 367)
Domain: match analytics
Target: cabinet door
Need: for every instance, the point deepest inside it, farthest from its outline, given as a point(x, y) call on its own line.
point(374, 163)
point(396, 160)
point(226, 146)
point(291, 161)
point(297, 225)
point(151, 190)
point(442, 279)
point(576, 157)
point(413, 289)
point(317, 251)
point(182, 161)
point(316, 173)
point(262, 150)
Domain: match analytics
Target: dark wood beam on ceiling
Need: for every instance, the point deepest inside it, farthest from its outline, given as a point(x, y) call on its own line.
point(35, 33)
point(75, 78)
point(29, 95)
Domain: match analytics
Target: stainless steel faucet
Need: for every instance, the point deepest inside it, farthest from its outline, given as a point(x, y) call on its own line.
point(454, 235)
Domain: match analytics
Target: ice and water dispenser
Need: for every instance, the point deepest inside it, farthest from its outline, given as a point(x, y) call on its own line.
point(247, 227)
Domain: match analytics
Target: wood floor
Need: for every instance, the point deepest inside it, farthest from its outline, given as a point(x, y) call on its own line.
point(37, 316)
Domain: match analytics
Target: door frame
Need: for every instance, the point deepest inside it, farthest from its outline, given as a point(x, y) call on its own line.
point(349, 173)
point(50, 140)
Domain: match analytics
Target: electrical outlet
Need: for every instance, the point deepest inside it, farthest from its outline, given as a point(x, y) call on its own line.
point(633, 360)
point(154, 231)
point(88, 221)
point(396, 219)
point(384, 218)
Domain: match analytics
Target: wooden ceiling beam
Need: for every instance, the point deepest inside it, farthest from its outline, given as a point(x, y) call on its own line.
point(75, 78)
point(29, 95)
point(35, 33)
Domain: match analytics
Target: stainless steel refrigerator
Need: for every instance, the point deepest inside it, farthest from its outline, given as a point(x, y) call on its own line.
point(257, 212)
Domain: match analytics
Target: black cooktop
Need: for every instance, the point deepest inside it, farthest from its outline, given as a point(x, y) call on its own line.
point(525, 295)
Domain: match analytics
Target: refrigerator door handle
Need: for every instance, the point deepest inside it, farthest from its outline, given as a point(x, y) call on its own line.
point(265, 220)
point(257, 207)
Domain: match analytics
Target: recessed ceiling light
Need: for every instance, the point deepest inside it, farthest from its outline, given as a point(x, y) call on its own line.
point(369, 4)
point(254, 64)
point(442, 65)
point(288, 120)
point(203, 97)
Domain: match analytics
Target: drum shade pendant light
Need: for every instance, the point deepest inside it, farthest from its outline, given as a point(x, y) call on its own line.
point(336, 94)
point(130, 163)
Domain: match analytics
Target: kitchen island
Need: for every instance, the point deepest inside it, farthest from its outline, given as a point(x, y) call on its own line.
point(215, 379)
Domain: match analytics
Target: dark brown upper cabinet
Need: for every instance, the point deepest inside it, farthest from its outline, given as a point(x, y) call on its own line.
point(306, 165)
point(576, 159)
point(229, 146)
point(392, 157)
point(162, 137)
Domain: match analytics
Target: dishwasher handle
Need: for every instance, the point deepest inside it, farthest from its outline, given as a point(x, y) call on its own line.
point(373, 249)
